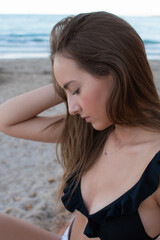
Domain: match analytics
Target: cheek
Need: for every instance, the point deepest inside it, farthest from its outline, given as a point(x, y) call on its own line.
point(86, 101)
point(94, 100)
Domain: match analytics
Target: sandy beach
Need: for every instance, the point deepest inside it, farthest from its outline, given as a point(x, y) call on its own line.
point(29, 171)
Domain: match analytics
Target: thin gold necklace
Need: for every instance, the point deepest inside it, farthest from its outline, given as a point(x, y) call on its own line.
point(117, 150)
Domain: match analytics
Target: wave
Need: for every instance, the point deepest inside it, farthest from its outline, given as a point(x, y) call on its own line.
point(43, 37)
point(148, 41)
point(24, 38)
point(28, 35)
point(24, 34)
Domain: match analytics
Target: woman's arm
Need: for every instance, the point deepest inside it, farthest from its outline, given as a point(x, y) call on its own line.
point(19, 116)
point(12, 228)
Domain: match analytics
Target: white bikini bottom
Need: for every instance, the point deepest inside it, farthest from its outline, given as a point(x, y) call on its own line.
point(66, 235)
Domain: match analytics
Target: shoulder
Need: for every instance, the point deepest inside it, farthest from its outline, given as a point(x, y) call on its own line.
point(157, 146)
point(157, 194)
point(153, 150)
point(152, 141)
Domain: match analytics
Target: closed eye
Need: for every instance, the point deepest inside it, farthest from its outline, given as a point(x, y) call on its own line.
point(76, 92)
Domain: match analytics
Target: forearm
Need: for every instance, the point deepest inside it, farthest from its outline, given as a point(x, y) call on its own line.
point(15, 229)
point(28, 105)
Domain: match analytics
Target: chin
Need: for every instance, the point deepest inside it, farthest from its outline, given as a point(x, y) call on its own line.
point(101, 127)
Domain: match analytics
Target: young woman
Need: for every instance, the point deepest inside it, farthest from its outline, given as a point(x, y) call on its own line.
point(110, 135)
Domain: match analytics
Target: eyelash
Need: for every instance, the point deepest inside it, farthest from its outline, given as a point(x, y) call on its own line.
point(76, 92)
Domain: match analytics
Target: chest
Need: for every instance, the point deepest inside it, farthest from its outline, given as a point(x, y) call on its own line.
point(108, 180)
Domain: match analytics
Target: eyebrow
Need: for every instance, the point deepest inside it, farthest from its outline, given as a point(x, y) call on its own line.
point(67, 84)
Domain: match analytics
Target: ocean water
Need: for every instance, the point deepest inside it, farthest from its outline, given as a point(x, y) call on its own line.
point(27, 36)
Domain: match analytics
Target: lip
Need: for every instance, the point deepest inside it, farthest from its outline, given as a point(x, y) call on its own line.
point(86, 118)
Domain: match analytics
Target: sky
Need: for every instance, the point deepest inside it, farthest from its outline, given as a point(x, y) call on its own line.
point(119, 7)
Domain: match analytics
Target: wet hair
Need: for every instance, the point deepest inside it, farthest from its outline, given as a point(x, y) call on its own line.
point(102, 43)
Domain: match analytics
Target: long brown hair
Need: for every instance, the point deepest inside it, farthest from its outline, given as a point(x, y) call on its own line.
point(102, 44)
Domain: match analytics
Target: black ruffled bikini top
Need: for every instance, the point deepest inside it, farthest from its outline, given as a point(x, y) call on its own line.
point(120, 219)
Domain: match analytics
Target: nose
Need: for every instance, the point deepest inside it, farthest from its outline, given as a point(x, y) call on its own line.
point(73, 107)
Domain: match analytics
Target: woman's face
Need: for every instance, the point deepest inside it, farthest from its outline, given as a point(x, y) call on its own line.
point(86, 94)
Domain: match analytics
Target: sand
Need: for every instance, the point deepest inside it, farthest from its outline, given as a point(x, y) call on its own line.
point(29, 171)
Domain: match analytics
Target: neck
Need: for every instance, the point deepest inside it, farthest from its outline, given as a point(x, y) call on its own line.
point(121, 134)
point(121, 137)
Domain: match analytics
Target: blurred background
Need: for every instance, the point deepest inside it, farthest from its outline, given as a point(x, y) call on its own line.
point(25, 25)
point(29, 171)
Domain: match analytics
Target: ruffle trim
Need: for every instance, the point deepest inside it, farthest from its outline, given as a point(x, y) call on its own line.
point(126, 204)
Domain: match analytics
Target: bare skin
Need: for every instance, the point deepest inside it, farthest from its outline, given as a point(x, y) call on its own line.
point(95, 199)
point(12, 228)
point(20, 119)
point(22, 113)
point(81, 87)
